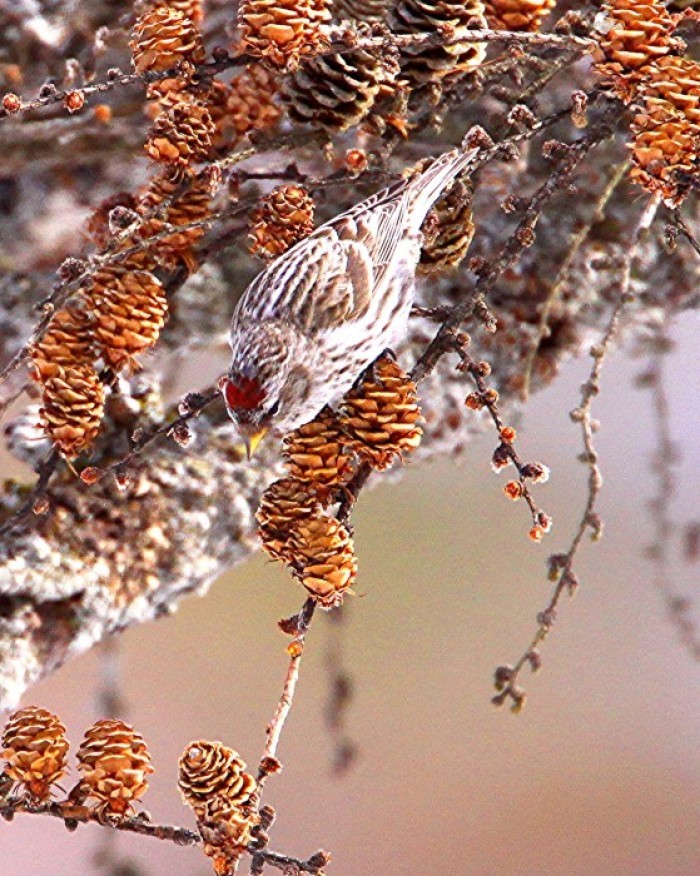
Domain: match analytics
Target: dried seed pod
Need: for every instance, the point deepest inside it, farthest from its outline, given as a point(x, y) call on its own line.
point(283, 504)
point(183, 135)
point(128, 309)
point(282, 31)
point(115, 762)
point(35, 747)
point(323, 559)
point(422, 65)
point(634, 33)
point(212, 779)
point(282, 218)
point(67, 342)
point(448, 231)
point(192, 204)
point(72, 408)
point(163, 37)
point(381, 416)
point(315, 453)
point(517, 14)
point(338, 91)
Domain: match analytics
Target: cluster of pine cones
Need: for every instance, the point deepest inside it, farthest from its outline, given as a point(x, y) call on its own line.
point(377, 422)
point(642, 60)
point(113, 759)
point(115, 763)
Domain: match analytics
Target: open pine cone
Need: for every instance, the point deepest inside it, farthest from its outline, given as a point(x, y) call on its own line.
point(66, 343)
point(213, 781)
point(246, 105)
point(283, 505)
point(72, 408)
point(164, 37)
point(282, 218)
point(338, 91)
point(35, 748)
point(280, 32)
point(425, 64)
point(635, 33)
point(381, 416)
point(517, 14)
point(323, 559)
point(129, 309)
point(183, 135)
point(448, 231)
point(315, 453)
point(115, 762)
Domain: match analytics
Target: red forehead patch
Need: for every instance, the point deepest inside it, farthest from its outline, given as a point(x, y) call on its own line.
point(243, 394)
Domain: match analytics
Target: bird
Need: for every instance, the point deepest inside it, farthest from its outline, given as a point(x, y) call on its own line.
point(318, 316)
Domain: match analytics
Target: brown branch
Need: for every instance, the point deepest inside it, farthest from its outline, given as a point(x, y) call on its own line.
point(561, 566)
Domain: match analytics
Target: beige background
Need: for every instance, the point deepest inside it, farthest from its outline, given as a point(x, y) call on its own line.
point(600, 773)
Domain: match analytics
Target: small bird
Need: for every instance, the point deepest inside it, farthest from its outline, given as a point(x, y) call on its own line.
point(320, 314)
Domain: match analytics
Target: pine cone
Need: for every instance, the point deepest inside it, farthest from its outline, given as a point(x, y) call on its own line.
point(381, 416)
point(164, 37)
point(72, 408)
point(360, 10)
point(192, 205)
point(129, 309)
point(665, 151)
point(282, 31)
point(676, 82)
point(246, 105)
point(115, 763)
point(66, 343)
point(213, 781)
point(517, 14)
point(423, 65)
point(314, 453)
point(191, 9)
point(35, 748)
point(448, 231)
point(338, 91)
point(282, 218)
point(282, 506)
point(635, 34)
point(323, 559)
point(183, 135)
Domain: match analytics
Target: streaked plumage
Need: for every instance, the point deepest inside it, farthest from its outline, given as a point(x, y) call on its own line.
point(310, 323)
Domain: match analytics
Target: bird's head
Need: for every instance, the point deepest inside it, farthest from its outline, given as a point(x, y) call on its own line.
point(264, 389)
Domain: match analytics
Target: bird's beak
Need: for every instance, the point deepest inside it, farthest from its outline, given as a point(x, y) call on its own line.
point(251, 441)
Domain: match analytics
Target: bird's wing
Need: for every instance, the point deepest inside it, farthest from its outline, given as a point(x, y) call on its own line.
point(327, 279)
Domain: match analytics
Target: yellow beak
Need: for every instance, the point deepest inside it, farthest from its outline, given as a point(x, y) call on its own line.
point(251, 441)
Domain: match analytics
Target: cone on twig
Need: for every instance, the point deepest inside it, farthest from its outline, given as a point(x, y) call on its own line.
point(246, 105)
point(323, 559)
point(183, 135)
point(283, 505)
point(72, 408)
point(280, 32)
point(444, 61)
point(316, 453)
point(128, 309)
point(115, 762)
point(212, 775)
point(67, 342)
point(35, 748)
point(448, 231)
point(282, 218)
point(163, 37)
point(381, 416)
point(517, 14)
point(338, 91)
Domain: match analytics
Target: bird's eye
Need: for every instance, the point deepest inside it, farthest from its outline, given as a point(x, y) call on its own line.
point(274, 409)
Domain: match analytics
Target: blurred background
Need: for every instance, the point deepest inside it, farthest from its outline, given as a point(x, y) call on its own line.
point(599, 774)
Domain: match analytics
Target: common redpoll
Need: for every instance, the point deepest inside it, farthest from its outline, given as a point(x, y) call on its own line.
point(308, 325)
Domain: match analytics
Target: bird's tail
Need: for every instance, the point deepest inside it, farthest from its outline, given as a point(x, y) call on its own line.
point(423, 190)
